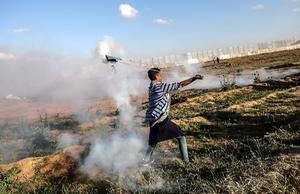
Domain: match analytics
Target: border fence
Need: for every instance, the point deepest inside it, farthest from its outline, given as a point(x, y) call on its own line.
point(221, 53)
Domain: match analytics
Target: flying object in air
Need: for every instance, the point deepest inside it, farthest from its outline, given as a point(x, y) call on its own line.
point(113, 61)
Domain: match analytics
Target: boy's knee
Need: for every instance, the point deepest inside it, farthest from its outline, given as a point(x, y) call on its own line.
point(180, 138)
point(152, 145)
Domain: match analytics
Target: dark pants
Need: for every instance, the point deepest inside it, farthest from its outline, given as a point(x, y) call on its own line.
point(164, 131)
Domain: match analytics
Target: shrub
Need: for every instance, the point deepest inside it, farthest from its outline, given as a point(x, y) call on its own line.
point(227, 83)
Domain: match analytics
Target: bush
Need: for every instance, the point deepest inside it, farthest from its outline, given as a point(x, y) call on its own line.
point(227, 83)
point(42, 142)
point(256, 77)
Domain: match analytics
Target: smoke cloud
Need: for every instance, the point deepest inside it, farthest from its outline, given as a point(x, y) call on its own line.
point(243, 78)
point(109, 46)
point(114, 154)
point(121, 150)
point(53, 76)
point(214, 81)
point(6, 56)
point(67, 139)
point(56, 77)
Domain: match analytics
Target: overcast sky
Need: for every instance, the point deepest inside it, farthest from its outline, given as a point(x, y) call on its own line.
point(143, 27)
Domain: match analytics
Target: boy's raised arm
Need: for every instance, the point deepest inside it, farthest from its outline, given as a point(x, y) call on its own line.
point(190, 80)
point(168, 87)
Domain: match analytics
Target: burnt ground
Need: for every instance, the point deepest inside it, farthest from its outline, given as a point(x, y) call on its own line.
point(241, 140)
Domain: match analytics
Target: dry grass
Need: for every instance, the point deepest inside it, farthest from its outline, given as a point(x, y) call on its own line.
point(244, 140)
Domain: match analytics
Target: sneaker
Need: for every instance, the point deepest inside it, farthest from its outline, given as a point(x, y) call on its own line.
point(147, 163)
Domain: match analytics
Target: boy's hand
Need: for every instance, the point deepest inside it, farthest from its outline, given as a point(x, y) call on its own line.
point(198, 77)
point(189, 81)
point(145, 123)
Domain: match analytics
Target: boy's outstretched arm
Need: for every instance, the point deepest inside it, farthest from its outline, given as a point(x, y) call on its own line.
point(190, 80)
point(168, 87)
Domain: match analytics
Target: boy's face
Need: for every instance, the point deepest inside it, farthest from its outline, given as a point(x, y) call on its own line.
point(158, 77)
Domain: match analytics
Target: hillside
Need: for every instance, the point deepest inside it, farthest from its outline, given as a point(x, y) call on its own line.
point(241, 140)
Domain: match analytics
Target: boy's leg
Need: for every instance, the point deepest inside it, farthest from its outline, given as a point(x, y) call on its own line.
point(183, 149)
point(149, 153)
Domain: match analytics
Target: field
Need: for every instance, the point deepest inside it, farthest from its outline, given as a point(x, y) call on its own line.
point(240, 139)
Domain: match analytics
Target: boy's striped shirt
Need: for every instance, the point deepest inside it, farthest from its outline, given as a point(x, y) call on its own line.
point(158, 99)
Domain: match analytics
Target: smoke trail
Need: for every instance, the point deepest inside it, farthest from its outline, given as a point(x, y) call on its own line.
point(116, 154)
point(120, 151)
point(67, 139)
point(213, 81)
point(108, 46)
point(53, 76)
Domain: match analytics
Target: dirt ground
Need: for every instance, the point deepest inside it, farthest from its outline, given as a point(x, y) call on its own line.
point(240, 139)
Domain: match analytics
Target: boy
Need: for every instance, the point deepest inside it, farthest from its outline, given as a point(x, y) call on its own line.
point(161, 127)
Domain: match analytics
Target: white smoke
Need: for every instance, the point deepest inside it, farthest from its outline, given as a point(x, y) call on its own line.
point(120, 151)
point(53, 76)
point(246, 77)
point(114, 154)
point(109, 46)
point(67, 140)
point(214, 81)
point(12, 97)
point(42, 74)
point(6, 56)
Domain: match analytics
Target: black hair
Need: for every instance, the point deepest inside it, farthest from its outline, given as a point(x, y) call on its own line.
point(152, 73)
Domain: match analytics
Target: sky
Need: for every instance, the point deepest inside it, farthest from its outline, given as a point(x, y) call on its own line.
point(143, 28)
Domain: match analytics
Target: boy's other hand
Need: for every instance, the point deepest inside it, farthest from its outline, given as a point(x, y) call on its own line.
point(145, 123)
point(198, 77)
